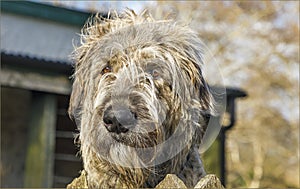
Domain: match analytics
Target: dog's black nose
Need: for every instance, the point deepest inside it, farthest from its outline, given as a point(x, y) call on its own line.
point(119, 120)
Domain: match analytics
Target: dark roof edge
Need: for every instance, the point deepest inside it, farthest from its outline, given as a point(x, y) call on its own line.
point(44, 11)
point(30, 62)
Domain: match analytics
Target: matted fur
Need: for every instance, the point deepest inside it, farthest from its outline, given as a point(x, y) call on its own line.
point(152, 68)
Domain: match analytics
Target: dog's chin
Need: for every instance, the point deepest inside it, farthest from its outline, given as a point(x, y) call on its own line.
point(134, 140)
point(117, 150)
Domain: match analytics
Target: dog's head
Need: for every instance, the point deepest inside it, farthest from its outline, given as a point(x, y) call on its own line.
point(138, 89)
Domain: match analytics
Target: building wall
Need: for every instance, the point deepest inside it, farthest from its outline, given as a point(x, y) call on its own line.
point(15, 109)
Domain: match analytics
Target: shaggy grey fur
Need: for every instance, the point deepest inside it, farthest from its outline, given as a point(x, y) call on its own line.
point(140, 101)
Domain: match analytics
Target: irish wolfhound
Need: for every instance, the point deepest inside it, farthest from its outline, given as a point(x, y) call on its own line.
point(140, 101)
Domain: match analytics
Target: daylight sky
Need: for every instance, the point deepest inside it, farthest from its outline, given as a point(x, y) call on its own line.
point(100, 5)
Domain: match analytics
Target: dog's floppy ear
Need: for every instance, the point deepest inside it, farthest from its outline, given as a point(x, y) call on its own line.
point(206, 98)
point(193, 63)
point(89, 33)
point(75, 105)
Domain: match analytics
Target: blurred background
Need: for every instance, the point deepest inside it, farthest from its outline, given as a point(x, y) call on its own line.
point(255, 45)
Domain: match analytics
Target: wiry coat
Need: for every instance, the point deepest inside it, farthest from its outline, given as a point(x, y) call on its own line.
point(153, 69)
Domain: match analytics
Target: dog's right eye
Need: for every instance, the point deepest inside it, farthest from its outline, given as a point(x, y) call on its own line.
point(105, 70)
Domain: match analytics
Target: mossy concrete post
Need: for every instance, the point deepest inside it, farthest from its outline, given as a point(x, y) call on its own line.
point(211, 159)
point(39, 165)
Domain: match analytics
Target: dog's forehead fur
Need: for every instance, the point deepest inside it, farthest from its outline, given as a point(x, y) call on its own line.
point(104, 38)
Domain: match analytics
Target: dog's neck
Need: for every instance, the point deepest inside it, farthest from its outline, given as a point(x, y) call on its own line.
point(193, 169)
point(190, 169)
point(103, 174)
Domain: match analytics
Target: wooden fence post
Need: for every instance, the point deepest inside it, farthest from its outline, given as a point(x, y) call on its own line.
point(39, 165)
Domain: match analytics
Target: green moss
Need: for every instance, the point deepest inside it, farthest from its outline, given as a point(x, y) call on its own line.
point(211, 159)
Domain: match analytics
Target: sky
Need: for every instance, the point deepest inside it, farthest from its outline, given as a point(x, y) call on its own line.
point(100, 5)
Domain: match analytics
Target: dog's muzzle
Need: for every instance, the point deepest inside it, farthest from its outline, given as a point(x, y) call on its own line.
point(119, 119)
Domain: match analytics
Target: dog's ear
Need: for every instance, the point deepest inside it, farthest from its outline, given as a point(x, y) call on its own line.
point(192, 66)
point(93, 30)
point(75, 105)
point(206, 98)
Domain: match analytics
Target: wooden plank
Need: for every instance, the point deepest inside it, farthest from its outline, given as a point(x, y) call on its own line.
point(59, 84)
point(65, 134)
point(39, 167)
point(67, 157)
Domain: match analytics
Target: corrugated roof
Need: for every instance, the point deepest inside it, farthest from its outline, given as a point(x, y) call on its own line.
point(37, 38)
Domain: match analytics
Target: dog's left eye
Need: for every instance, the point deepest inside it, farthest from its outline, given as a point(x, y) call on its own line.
point(105, 70)
point(155, 73)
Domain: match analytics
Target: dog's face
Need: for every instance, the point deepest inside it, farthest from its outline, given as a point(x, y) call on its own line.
point(139, 91)
point(136, 99)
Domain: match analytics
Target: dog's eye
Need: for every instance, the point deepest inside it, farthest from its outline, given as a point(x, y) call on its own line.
point(155, 73)
point(105, 70)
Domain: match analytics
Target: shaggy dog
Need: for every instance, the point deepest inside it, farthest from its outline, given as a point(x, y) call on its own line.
point(140, 101)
